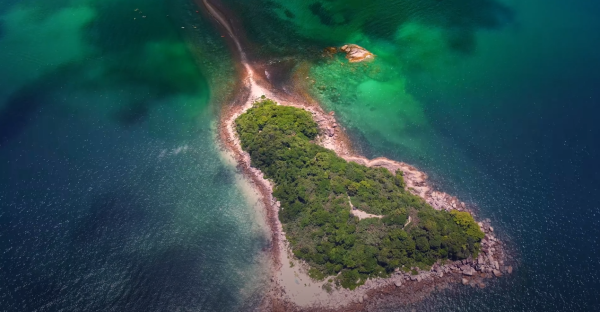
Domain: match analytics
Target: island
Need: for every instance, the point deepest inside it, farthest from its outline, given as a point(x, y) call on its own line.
point(354, 53)
point(319, 193)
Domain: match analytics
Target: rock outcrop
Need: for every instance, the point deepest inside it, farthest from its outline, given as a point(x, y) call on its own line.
point(355, 53)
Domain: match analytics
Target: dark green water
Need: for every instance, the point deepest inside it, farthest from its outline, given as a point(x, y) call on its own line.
point(113, 196)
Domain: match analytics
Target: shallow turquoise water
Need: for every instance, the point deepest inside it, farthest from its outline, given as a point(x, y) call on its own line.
point(113, 195)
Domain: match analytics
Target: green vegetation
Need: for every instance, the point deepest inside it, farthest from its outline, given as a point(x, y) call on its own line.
point(314, 187)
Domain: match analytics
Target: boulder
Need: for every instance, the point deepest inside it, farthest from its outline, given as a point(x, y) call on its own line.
point(465, 281)
point(330, 132)
point(497, 273)
point(467, 270)
point(398, 283)
point(355, 53)
point(509, 269)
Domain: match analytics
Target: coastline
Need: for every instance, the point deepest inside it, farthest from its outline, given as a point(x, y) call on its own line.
point(292, 289)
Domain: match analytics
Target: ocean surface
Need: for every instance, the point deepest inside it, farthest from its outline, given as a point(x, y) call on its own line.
point(114, 196)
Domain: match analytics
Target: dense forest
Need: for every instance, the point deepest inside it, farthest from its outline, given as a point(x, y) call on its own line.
point(316, 189)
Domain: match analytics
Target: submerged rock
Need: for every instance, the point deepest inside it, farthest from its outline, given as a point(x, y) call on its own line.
point(331, 50)
point(355, 53)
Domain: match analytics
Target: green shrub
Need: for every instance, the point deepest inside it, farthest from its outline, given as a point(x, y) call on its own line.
point(314, 185)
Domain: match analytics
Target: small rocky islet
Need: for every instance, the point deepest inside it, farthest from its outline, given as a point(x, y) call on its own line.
point(354, 53)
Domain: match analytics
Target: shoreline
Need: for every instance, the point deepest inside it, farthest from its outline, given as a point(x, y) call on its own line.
point(295, 291)
point(292, 289)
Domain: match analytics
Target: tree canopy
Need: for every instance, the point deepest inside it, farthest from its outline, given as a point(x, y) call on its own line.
point(315, 188)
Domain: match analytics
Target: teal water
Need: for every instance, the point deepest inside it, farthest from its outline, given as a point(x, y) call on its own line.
point(113, 195)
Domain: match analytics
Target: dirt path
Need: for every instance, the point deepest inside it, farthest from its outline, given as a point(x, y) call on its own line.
point(359, 213)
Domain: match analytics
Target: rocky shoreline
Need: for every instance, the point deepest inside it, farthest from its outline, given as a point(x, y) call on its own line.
point(491, 262)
